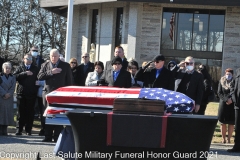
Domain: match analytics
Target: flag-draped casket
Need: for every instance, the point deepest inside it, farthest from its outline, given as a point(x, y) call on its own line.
point(101, 99)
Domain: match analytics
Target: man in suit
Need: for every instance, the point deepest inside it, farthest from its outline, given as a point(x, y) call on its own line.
point(116, 76)
point(26, 75)
point(56, 74)
point(83, 69)
point(190, 83)
point(120, 53)
point(158, 77)
point(235, 92)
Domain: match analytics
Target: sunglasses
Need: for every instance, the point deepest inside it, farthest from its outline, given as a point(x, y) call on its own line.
point(35, 50)
point(73, 62)
point(157, 61)
point(84, 56)
point(189, 63)
point(29, 59)
point(117, 63)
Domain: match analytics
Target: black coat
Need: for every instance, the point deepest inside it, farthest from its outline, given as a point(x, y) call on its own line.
point(226, 113)
point(164, 80)
point(55, 81)
point(108, 65)
point(81, 75)
point(195, 88)
point(1, 63)
point(75, 75)
point(123, 79)
point(235, 90)
point(206, 91)
point(26, 84)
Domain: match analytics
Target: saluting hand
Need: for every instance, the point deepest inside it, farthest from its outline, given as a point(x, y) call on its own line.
point(56, 70)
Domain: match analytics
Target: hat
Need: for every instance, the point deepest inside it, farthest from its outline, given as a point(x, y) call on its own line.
point(85, 54)
point(116, 59)
point(159, 57)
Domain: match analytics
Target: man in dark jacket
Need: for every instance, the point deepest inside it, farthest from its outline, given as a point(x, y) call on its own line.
point(158, 77)
point(56, 74)
point(116, 77)
point(120, 53)
point(83, 69)
point(37, 59)
point(235, 92)
point(26, 75)
point(190, 83)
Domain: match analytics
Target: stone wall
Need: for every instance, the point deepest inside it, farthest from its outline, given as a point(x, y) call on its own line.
point(150, 31)
point(231, 47)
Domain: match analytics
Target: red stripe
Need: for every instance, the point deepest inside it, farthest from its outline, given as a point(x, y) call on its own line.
point(52, 111)
point(80, 100)
point(99, 90)
point(109, 128)
point(164, 131)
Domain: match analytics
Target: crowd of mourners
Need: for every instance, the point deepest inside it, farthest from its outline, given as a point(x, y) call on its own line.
point(34, 78)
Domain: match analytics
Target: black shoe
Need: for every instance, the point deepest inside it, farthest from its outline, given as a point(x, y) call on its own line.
point(47, 140)
point(233, 150)
point(41, 133)
point(18, 133)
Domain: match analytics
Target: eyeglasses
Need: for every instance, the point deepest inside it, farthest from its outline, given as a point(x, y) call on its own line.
point(117, 63)
point(84, 56)
point(73, 62)
point(29, 59)
point(189, 63)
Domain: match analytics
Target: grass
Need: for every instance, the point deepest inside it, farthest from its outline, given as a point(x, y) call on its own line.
point(212, 109)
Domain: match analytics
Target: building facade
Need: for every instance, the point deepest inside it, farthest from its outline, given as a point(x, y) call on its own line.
point(208, 31)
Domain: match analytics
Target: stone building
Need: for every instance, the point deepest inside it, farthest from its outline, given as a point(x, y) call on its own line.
point(207, 30)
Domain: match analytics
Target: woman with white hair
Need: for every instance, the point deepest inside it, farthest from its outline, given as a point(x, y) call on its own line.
point(6, 98)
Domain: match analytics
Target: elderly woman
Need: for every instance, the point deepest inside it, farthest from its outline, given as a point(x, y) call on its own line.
point(226, 113)
point(133, 68)
point(73, 64)
point(93, 77)
point(6, 100)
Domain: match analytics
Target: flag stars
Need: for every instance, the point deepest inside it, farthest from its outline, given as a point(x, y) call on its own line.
point(164, 95)
point(176, 102)
point(170, 99)
point(183, 100)
point(151, 94)
point(176, 109)
point(177, 96)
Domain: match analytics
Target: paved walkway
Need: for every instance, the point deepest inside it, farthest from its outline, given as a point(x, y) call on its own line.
point(29, 146)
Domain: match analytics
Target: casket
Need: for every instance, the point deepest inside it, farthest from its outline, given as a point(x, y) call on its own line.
point(101, 100)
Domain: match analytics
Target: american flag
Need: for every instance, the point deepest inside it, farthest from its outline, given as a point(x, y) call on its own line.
point(103, 97)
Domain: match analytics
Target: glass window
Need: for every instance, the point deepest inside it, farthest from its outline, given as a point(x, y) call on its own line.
point(94, 26)
point(216, 28)
point(166, 42)
point(193, 29)
point(119, 27)
point(184, 31)
point(200, 31)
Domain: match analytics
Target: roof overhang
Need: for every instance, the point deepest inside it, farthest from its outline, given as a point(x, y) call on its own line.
point(60, 6)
